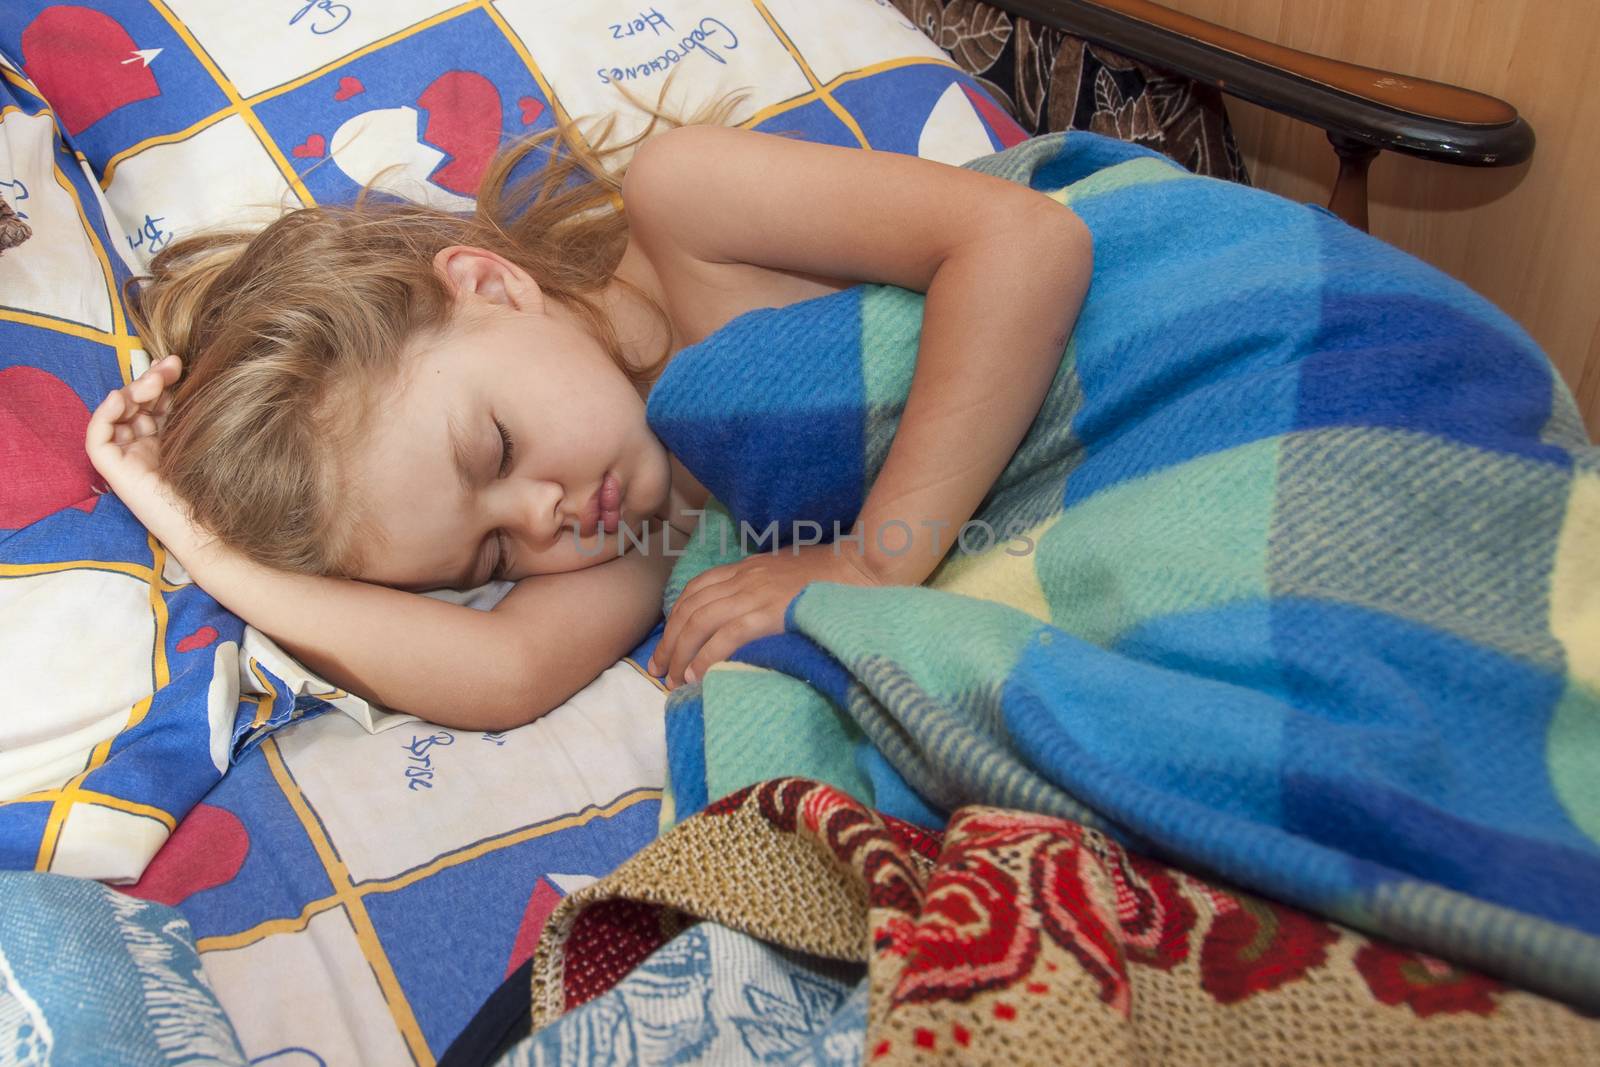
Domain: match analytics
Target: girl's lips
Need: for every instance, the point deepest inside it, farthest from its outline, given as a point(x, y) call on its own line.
point(610, 498)
point(604, 509)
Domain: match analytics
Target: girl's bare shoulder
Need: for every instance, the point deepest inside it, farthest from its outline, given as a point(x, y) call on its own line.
point(719, 196)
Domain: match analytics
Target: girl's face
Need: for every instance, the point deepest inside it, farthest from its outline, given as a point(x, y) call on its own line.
point(486, 461)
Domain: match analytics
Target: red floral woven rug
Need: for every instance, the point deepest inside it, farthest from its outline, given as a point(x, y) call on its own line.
point(1016, 938)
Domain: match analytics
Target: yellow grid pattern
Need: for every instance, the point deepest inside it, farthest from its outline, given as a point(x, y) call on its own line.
point(355, 910)
point(818, 90)
point(236, 103)
point(351, 895)
point(72, 793)
point(454, 858)
point(118, 338)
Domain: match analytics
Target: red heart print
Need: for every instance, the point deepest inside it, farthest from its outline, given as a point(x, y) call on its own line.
point(199, 639)
point(314, 148)
point(205, 851)
point(42, 423)
point(348, 87)
point(78, 59)
point(464, 123)
point(532, 108)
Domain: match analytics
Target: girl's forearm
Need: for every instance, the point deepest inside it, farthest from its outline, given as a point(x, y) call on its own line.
point(453, 665)
point(979, 383)
point(403, 651)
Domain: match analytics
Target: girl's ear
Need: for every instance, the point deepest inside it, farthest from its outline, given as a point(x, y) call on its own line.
point(477, 274)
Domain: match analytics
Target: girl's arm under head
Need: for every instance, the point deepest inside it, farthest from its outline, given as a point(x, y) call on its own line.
point(452, 665)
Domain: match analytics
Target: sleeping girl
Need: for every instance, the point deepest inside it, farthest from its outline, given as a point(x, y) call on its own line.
point(360, 403)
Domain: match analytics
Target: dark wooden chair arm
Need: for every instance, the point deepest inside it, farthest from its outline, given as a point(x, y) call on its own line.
point(1363, 110)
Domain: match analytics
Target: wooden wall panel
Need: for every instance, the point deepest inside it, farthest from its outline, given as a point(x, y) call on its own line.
point(1527, 237)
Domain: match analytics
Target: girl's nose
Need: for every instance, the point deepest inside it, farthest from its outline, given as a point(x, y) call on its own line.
point(537, 517)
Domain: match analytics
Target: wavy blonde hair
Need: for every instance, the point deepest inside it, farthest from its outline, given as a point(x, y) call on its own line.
point(291, 334)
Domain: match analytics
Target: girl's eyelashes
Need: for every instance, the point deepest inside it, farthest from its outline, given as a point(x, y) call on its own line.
point(507, 449)
point(507, 457)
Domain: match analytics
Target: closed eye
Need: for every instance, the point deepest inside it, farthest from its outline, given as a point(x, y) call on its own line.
point(507, 448)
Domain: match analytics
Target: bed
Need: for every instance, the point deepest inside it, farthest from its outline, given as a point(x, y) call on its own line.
point(360, 885)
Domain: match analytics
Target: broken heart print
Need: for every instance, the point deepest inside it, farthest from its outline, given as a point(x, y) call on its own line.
point(459, 119)
point(431, 109)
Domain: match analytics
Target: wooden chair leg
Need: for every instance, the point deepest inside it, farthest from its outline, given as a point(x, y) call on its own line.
point(1349, 199)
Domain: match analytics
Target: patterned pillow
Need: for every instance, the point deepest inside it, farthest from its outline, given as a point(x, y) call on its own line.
point(107, 654)
point(126, 691)
point(1051, 80)
point(191, 112)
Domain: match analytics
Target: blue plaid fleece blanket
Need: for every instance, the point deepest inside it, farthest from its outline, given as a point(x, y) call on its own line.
point(1294, 580)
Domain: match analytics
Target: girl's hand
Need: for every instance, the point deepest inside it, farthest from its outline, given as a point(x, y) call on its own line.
point(124, 444)
point(727, 606)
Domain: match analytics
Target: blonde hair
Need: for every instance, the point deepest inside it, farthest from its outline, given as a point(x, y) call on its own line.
point(291, 334)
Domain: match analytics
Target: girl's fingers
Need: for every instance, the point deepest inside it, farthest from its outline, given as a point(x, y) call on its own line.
point(110, 408)
point(102, 421)
point(147, 387)
point(695, 596)
point(136, 410)
point(723, 644)
point(700, 628)
point(130, 404)
point(144, 394)
point(166, 370)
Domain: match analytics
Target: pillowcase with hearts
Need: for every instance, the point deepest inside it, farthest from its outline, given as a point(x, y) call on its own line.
point(196, 113)
point(120, 681)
